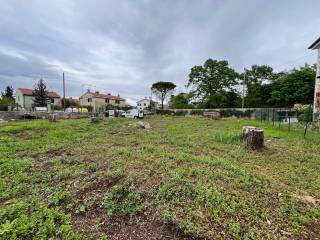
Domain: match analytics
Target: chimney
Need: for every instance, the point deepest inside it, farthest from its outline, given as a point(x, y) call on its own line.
point(97, 92)
point(109, 94)
point(88, 90)
point(118, 95)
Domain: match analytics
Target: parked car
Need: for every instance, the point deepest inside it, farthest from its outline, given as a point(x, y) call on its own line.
point(133, 113)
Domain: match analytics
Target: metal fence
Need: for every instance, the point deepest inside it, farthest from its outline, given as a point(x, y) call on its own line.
point(285, 117)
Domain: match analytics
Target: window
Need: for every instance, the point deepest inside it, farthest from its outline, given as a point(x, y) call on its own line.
point(144, 104)
point(107, 100)
point(89, 99)
point(52, 100)
point(117, 101)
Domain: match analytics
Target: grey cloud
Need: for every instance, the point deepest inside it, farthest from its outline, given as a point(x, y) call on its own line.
point(124, 46)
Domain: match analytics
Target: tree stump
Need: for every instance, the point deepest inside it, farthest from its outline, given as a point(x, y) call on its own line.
point(52, 118)
point(253, 138)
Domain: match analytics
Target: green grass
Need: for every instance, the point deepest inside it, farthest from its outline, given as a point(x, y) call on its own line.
point(73, 179)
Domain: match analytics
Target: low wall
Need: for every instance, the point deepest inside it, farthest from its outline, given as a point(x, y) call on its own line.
point(16, 115)
point(255, 113)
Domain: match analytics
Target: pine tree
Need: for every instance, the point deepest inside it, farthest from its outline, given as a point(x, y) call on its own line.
point(8, 93)
point(41, 94)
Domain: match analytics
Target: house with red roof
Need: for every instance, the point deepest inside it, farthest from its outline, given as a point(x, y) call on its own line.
point(25, 97)
point(100, 101)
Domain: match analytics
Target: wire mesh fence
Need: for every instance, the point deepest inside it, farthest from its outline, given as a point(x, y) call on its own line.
point(285, 117)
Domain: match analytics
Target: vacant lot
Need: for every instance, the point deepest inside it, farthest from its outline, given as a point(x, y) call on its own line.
point(187, 178)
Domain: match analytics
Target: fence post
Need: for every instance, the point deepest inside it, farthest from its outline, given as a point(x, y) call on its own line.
point(273, 117)
point(307, 122)
point(289, 115)
point(268, 116)
point(279, 117)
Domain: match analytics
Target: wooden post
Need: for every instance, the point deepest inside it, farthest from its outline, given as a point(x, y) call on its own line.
point(253, 137)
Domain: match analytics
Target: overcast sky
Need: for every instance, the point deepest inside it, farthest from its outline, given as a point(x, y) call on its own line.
point(124, 46)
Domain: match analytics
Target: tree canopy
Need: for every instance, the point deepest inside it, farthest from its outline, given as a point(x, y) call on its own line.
point(162, 90)
point(180, 101)
point(41, 94)
point(8, 92)
point(215, 85)
point(296, 86)
point(7, 99)
point(212, 82)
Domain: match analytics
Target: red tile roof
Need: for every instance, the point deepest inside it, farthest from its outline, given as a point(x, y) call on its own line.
point(29, 92)
point(108, 96)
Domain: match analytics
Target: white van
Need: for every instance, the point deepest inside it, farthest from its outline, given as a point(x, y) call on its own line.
point(133, 113)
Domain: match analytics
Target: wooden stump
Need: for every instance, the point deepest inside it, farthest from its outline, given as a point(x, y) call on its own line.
point(52, 118)
point(253, 138)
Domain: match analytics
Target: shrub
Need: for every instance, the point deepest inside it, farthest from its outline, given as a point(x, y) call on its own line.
point(180, 113)
point(196, 112)
point(306, 116)
point(163, 112)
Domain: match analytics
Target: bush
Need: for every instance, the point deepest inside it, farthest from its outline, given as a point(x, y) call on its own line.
point(306, 116)
point(180, 113)
point(163, 112)
point(196, 112)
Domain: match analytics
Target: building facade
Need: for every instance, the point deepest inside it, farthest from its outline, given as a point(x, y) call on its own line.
point(316, 105)
point(25, 98)
point(100, 102)
point(149, 104)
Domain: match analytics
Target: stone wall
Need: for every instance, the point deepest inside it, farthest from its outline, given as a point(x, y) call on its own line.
point(16, 115)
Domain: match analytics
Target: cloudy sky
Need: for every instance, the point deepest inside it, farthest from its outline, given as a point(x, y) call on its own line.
point(124, 46)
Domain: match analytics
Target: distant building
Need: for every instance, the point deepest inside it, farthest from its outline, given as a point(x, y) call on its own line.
point(316, 105)
point(100, 101)
point(147, 103)
point(25, 98)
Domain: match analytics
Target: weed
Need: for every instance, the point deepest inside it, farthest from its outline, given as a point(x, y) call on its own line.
point(123, 198)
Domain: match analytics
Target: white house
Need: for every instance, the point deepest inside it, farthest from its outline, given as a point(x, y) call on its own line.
point(316, 105)
point(144, 103)
point(25, 97)
point(147, 102)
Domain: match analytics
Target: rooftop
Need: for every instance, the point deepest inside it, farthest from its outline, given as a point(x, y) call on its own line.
point(103, 95)
point(316, 44)
point(29, 92)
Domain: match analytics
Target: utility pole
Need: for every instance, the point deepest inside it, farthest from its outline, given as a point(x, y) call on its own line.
point(64, 92)
point(244, 77)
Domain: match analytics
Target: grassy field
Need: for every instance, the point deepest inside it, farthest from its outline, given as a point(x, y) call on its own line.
point(187, 178)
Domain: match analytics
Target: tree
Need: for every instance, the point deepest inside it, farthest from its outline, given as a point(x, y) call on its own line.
point(162, 90)
point(212, 82)
point(180, 101)
point(41, 94)
point(295, 86)
point(8, 93)
point(7, 99)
